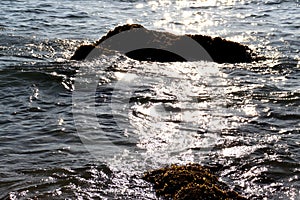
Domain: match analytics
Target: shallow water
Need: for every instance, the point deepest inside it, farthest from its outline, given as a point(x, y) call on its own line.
point(89, 130)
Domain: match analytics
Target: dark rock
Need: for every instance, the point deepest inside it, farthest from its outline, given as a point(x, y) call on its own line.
point(224, 51)
point(189, 182)
point(158, 55)
point(82, 52)
point(220, 50)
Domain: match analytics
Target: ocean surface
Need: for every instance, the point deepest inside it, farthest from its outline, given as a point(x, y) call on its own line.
point(89, 130)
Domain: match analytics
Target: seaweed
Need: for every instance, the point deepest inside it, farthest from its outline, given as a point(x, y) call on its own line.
point(189, 182)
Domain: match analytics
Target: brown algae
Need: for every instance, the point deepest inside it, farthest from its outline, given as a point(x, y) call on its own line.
point(189, 182)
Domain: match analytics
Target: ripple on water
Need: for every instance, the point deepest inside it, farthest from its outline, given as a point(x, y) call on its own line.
point(254, 147)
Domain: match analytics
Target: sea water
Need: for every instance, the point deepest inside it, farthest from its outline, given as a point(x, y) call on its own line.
point(89, 130)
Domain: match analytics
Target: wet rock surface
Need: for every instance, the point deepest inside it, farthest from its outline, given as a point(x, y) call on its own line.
point(220, 50)
point(189, 182)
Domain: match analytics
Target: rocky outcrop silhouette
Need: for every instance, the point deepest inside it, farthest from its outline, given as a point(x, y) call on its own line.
point(148, 45)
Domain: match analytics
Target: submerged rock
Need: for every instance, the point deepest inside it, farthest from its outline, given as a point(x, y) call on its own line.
point(148, 45)
point(189, 182)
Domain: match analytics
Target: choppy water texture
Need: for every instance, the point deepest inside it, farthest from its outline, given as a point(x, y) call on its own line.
point(243, 120)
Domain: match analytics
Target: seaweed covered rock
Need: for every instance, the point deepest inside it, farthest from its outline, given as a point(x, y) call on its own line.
point(148, 45)
point(189, 182)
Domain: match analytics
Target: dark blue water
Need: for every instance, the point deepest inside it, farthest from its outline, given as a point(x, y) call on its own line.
point(62, 140)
